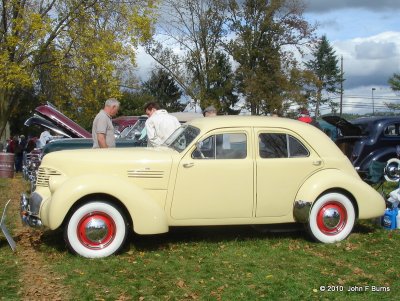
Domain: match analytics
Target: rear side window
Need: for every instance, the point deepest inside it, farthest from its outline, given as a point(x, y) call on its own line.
point(392, 130)
point(279, 145)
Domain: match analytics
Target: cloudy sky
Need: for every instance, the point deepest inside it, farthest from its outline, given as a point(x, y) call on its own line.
point(367, 34)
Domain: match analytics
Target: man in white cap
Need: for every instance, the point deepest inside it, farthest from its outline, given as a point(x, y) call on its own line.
point(210, 111)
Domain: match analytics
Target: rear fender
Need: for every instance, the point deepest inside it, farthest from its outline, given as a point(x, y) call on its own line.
point(367, 201)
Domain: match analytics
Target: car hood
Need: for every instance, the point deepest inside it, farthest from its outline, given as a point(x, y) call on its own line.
point(61, 121)
point(40, 121)
point(82, 143)
point(148, 167)
point(347, 128)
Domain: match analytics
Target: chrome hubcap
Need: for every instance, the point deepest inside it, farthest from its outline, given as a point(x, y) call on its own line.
point(331, 218)
point(96, 230)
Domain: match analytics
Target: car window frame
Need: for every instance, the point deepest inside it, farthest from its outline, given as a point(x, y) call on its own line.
point(288, 134)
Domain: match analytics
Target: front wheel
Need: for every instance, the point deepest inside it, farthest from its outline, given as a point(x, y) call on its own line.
point(96, 229)
point(332, 218)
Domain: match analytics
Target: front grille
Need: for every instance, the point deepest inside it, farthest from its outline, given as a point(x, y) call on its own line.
point(44, 174)
point(155, 174)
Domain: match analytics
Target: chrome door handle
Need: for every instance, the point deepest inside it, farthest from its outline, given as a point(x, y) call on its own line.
point(187, 165)
point(317, 163)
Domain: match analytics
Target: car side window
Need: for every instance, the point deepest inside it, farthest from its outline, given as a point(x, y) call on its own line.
point(222, 146)
point(392, 130)
point(278, 145)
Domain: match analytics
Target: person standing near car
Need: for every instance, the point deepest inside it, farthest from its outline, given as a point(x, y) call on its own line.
point(160, 125)
point(103, 129)
point(210, 111)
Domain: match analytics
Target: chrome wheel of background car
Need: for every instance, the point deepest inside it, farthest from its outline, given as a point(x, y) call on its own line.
point(332, 218)
point(96, 229)
point(392, 170)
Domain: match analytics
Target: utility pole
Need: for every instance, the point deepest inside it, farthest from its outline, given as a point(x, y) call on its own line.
point(341, 86)
point(373, 102)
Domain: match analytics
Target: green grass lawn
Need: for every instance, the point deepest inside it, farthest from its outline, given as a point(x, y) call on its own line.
point(9, 269)
point(223, 263)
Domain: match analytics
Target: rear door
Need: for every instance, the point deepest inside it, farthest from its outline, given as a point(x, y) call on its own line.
point(283, 162)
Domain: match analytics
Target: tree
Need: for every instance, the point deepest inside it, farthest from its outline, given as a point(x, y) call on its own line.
point(394, 82)
point(328, 75)
point(162, 87)
point(84, 39)
point(133, 102)
point(195, 27)
point(265, 34)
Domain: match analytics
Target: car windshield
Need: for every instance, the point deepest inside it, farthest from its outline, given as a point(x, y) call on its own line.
point(134, 130)
point(182, 137)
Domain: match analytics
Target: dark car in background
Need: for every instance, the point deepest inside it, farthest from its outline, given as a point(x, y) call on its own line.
point(367, 139)
point(122, 122)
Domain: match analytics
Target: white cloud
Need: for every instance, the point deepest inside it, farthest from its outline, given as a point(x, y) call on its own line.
point(371, 60)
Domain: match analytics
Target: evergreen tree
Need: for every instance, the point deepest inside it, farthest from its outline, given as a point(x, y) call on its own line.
point(328, 76)
point(394, 82)
point(162, 87)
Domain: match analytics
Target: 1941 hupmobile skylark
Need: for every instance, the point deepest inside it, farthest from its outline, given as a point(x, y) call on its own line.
point(226, 170)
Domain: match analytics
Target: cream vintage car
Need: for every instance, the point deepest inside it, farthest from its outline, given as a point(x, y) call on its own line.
point(225, 170)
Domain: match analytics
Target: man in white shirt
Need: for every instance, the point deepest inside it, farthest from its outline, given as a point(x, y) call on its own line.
point(160, 125)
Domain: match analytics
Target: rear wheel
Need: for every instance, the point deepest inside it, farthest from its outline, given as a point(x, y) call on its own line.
point(332, 218)
point(96, 229)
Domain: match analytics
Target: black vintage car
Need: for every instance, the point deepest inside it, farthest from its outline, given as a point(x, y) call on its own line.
point(367, 139)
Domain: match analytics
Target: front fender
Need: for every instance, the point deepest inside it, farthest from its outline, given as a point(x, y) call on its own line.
point(381, 155)
point(147, 215)
point(369, 202)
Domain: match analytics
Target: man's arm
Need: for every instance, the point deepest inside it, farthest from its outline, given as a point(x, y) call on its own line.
point(101, 139)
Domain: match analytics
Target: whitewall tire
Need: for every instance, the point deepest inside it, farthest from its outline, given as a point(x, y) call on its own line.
point(96, 229)
point(332, 218)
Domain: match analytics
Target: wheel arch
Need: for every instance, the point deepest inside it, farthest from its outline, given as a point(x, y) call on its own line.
point(302, 209)
point(326, 181)
point(343, 191)
point(100, 197)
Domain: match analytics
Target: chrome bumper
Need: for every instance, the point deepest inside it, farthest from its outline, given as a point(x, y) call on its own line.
point(30, 210)
point(4, 229)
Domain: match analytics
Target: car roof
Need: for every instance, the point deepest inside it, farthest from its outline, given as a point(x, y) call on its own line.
point(186, 116)
point(244, 121)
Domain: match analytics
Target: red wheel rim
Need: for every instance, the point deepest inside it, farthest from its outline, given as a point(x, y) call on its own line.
point(332, 218)
point(96, 230)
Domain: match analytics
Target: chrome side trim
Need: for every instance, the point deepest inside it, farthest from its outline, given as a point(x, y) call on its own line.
point(301, 211)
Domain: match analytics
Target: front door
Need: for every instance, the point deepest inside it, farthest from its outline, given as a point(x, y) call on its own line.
point(215, 181)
